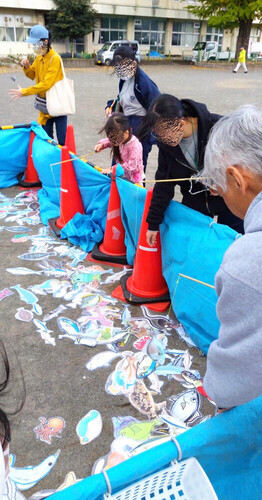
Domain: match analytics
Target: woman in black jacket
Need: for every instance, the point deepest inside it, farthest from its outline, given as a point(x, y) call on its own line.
point(136, 93)
point(181, 130)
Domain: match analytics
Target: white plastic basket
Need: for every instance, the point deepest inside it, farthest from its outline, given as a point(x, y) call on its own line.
point(184, 480)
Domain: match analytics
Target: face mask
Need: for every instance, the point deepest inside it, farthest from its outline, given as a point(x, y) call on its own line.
point(125, 69)
point(169, 131)
point(116, 137)
point(40, 48)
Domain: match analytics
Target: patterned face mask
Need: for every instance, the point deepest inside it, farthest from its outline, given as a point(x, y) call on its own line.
point(40, 48)
point(116, 137)
point(125, 69)
point(169, 131)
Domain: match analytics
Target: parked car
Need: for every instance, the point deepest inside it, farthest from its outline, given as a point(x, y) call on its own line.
point(205, 51)
point(105, 54)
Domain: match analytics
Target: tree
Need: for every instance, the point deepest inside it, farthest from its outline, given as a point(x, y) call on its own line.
point(71, 19)
point(229, 14)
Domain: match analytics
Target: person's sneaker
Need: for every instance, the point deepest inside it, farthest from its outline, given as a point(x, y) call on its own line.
point(245, 71)
point(234, 71)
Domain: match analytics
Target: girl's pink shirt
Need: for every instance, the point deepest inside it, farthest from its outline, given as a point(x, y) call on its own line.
point(132, 158)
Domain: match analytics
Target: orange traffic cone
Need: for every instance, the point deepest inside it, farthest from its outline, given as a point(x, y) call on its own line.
point(146, 285)
point(70, 199)
point(31, 178)
point(70, 139)
point(112, 250)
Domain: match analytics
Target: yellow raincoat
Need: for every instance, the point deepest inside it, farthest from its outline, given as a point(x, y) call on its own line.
point(46, 70)
point(242, 56)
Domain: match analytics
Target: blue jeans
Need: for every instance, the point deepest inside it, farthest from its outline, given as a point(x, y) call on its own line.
point(135, 122)
point(61, 125)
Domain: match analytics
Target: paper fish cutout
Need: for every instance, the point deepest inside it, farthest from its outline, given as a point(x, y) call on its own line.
point(44, 332)
point(49, 428)
point(12, 492)
point(102, 359)
point(28, 297)
point(145, 367)
point(5, 293)
point(184, 336)
point(35, 256)
point(110, 460)
point(160, 322)
point(156, 384)
point(125, 316)
point(89, 427)
point(27, 477)
point(24, 315)
point(186, 406)
point(116, 276)
point(22, 271)
point(140, 343)
point(155, 350)
point(18, 229)
point(142, 400)
point(55, 313)
point(134, 429)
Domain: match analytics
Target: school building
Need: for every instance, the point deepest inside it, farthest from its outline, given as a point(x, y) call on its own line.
point(164, 26)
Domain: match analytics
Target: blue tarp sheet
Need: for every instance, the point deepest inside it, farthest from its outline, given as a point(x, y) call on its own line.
point(228, 447)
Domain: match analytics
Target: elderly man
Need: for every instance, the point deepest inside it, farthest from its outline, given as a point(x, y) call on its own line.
point(233, 167)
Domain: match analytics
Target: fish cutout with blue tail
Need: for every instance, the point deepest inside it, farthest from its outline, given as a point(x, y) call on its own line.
point(145, 367)
point(89, 427)
point(36, 256)
point(68, 327)
point(27, 477)
point(28, 297)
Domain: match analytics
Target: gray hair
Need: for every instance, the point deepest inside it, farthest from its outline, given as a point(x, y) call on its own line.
point(235, 139)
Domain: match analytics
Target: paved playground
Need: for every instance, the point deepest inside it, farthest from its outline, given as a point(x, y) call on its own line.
point(57, 381)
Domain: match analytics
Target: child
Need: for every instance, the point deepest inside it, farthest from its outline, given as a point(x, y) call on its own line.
point(126, 148)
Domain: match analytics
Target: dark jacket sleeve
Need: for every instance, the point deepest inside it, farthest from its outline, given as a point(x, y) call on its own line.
point(145, 89)
point(163, 193)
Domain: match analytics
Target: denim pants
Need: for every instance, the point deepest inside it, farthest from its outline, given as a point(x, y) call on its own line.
point(135, 122)
point(61, 125)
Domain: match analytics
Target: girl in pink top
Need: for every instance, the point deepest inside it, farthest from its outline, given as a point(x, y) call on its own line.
point(126, 148)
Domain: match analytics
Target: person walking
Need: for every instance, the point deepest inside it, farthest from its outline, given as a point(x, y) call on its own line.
point(46, 70)
point(136, 93)
point(241, 60)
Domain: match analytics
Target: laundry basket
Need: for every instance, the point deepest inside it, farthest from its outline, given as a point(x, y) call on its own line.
point(184, 480)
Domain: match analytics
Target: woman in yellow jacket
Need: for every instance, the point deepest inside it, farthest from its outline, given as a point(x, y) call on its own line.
point(241, 60)
point(46, 70)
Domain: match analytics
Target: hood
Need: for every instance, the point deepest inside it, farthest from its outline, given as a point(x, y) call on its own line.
point(253, 217)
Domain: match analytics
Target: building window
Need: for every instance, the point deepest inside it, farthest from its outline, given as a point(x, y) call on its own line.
point(111, 28)
point(185, 34)
point(214, 35)
point(12, 34)
point(150, 32)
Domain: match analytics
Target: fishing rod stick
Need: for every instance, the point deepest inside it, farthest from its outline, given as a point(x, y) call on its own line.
point(197, 281)
point(73, 159)
point(20, 125)
point(176, 180)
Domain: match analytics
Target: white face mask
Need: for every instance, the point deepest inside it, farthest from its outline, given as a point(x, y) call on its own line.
point(40, 48)
point(125, 69)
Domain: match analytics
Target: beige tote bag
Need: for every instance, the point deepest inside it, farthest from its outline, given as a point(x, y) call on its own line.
point(60, 99)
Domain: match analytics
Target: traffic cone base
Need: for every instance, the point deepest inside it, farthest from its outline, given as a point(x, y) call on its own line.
point(157, 306)
point(55, 230)
point(135, 296)
point(99, 253)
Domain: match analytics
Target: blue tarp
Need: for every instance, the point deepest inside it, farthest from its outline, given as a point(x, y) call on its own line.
point(14, 146)
point(228, 447)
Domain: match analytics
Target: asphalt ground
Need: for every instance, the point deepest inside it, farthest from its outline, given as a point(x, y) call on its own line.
point(57, 382)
